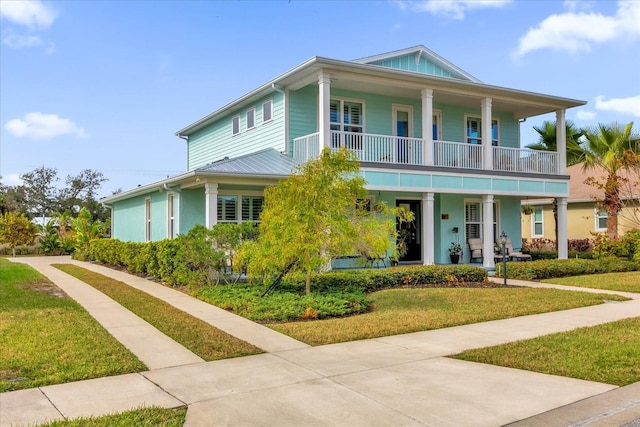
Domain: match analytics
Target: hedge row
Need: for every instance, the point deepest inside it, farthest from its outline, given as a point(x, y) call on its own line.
point(546, 269)
point(537, 255)
point(371, 280)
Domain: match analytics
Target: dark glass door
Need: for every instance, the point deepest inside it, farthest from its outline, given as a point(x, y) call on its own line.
point(409, 233)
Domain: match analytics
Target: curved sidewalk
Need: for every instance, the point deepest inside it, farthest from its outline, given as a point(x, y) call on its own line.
point(396, 380)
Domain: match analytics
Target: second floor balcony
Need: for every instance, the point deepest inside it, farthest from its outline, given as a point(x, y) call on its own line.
point(394, 150)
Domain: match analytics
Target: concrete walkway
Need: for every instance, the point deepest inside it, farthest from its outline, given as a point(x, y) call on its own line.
point(397, 380)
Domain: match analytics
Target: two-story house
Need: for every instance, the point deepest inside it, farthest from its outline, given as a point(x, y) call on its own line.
point(429, 137)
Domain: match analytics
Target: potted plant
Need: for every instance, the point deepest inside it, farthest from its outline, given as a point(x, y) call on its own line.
point(455, 250)
point(527, 209)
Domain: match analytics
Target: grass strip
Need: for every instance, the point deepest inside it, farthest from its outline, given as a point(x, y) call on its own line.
point(607, 353)
point(400, 311)
point(198, 336)
point(625, 282)
point(47, 338)
point(144, 417)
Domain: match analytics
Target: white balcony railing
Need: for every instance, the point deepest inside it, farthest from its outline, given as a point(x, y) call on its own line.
point(410, 151)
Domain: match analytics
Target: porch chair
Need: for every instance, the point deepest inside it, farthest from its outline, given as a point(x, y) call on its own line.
point(475, 250)
point(515, 256)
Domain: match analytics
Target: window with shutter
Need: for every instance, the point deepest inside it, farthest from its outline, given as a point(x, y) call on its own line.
point(251, 208)
point(227, 211)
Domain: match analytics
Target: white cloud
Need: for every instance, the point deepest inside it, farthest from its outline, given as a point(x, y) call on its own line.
point(18, 41)
point(454, 9)
point(12, 179)
point(585, 115)
point(578, 31)
point(629, 105)
point(29, 13)
point(42, 126)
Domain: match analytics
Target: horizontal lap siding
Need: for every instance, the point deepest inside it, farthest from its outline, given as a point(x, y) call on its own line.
point(408, 63)
point(192, 209)
point(215, 142)
point(303, 113)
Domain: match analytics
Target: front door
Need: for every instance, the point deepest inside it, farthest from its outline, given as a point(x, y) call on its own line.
point(409, 233)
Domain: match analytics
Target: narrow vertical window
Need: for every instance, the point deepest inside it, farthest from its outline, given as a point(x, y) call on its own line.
point(537, 222)
point(170, 216)
point(147, 219)
point(601, 220)
point(267, 109)
point(251, 118)
point(235, 125)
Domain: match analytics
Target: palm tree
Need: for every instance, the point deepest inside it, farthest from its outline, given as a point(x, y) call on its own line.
point(612, 149)
point(547, 142)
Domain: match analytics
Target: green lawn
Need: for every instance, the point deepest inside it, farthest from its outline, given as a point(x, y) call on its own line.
point(626, 282)
point(399, 311)
point(608, 353)
point(201, 338)
point(144, 417)
point(47, 338)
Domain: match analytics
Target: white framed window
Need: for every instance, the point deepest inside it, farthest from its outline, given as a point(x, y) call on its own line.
point(251, 118)
point(537, 222)
point(252, 208)
point(267, 111)
point(347, 117)
point(170, 216)
point(227, 208)
point(474, 131)
point(473, 218)
point(147, 219)
point(235, 125)
point(601, 219)
point(437, 125)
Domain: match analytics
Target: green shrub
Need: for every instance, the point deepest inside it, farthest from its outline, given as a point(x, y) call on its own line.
point(546, 269)
point(537, 255)
point(627, 246)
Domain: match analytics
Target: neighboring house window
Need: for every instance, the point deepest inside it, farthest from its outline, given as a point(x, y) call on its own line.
point(235, 124)
point(170, 216)
point(251, 118)
point(346, 116)
point(227, 208)
point(267, 109)
point(474, 131)
point(601, 220)
point(537, 223)
point(147, 219)
point(252, 208)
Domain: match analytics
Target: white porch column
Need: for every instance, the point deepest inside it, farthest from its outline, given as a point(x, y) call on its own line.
point(563, 244)
point(487, 231)
point(561, 141)
point(211, 204)
point(487, 148)
point(427, 126)
point(428, 240)
point(324, 119)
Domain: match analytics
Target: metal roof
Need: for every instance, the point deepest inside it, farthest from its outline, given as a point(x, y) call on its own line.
point(265, 162)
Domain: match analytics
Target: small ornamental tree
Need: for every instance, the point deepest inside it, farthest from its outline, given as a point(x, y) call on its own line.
point(315, 215)
point(16, 230)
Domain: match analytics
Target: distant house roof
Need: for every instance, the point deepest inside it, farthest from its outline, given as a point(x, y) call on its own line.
point(266, 162)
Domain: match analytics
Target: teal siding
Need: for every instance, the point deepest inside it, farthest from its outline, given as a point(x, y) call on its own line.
point(128, 220)
point(216, 141)
point(454, 124)
point(158, 215)
point(192, 209)
point(408, 63)
point(303, 113)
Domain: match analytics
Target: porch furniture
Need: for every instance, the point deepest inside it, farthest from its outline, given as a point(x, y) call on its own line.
point(475, 250)
point(515, 256)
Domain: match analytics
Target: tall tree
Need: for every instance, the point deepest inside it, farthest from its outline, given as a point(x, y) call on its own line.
point(80, 190)
point(547, 141)
point(613, 149)
point(40, 191)
point(312, 217)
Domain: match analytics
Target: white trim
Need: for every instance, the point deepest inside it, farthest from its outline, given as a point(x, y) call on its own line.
point(147, 219)
point(533, 221)
point(342, 100)
point(171, 215)
point(437, 113)
point(477, 116)
point(253, 113)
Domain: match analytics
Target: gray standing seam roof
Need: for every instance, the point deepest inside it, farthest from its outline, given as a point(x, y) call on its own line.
point(265, 162)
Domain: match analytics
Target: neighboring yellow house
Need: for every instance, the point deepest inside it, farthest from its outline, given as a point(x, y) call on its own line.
point(583, 215)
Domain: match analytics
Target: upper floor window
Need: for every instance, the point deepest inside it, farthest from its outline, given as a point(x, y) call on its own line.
point(474, 131)
point(537, 222)
point(267, 109)
point(346, 115)
point(601, 220)
point(235, 125)
point(251, 118)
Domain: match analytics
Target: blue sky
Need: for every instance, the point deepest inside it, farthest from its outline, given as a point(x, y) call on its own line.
point(105, 85)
